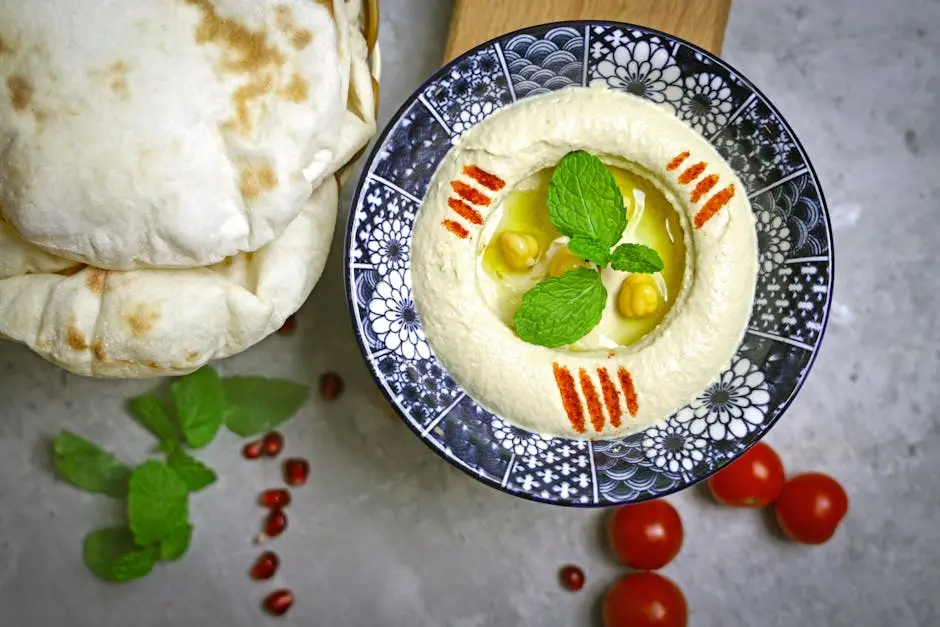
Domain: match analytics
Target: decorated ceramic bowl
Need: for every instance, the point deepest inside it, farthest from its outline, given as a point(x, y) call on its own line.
point(791, 302)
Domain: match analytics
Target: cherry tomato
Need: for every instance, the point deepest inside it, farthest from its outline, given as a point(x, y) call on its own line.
point(811, 507)
point(753, 480)
point(645, 600)
point(645, 536)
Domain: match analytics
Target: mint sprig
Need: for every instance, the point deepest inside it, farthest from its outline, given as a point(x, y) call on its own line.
point(176, 543)
point(584, 203)
point(196, 475)
point(584, 200)
point(257, 404)
point(158, 492)
point(200, 406)
point(590, 250)
point(157, 502)
point(539, 319)
point(636, 258)
point(149, 412)
point(89, 467)
point(112, 555)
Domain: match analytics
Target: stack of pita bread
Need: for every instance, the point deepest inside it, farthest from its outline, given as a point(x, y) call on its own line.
point(169, 172)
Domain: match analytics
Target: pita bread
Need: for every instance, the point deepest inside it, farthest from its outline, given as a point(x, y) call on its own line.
point(168, 133)
point(155, 322)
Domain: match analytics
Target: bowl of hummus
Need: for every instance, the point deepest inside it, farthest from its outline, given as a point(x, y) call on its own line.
point(589, 263)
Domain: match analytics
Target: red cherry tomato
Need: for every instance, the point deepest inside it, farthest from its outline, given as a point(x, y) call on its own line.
point(753, 480)
point(645, 600)
point(646, 536)
point(811, 507)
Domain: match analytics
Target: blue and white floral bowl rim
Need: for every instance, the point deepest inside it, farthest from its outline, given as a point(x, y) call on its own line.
point(779, 348)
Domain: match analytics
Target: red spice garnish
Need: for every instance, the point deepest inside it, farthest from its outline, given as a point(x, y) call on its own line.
point(571, 577)
point(456, 228)
point(611, 397)
point(471, 194)
point(465, 211)
point(331, 386)
point(703, 187)
point(484, 178)
point(595, 409)
point(629, 392)
point(274, 499)
point(296, 471)
point(677, 161)
point(272, 444)
point(716, 202)
point(278, 602)
point(569, 398)
point(692, 172)
point(253, 450)
point(265, 566)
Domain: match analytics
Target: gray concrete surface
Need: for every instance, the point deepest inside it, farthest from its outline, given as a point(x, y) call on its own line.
point(387, 534)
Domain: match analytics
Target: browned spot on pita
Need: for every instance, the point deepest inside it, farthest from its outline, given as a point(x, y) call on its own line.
point(96, 280)
point(21, 92)
point(283, 17)
point(117, 80)
point(300, 39)
point(242, 99)
point(249, 256)
point(97, 350)
point(296, 91)
point(192, 357)
point(328, 5)
point(244, 50)
point(154, 365)
point(256, 180)
point(143, 319)
point(74, 338)
point(5, 48)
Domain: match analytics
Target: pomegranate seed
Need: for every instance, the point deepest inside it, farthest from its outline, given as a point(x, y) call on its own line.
point(266, 566)
point(274, 499)
point(278, 602)
point(272, 444)
point(331, 386)
point(274, 526)
point(572, 578)
point(289, 326)
point(296, 471)
point(253, 450)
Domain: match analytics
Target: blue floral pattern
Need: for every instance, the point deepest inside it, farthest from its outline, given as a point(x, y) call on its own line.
point(538, 65)
point(790, 306)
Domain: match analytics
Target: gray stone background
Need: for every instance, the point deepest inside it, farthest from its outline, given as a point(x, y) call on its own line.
point(388, 534)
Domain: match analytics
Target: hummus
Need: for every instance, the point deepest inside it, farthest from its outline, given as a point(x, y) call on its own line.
point(602, 386)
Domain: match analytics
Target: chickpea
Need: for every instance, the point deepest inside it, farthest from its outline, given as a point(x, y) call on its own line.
point(639, 297)
point(563, 261)
point(520, 250)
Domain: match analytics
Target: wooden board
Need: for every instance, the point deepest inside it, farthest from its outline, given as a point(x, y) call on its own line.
point(475, 21)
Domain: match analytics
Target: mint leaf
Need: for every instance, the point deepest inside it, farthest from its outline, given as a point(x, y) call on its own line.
point(193, 472)
point(149, 412)
point(636, 258)
point(561, 310)
point(86, 466)
point(256, 404)
point(200, 405)
point(584, 200)
point(157, 502)
point(590, 249)
point(112, 555)
point(175, 545)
